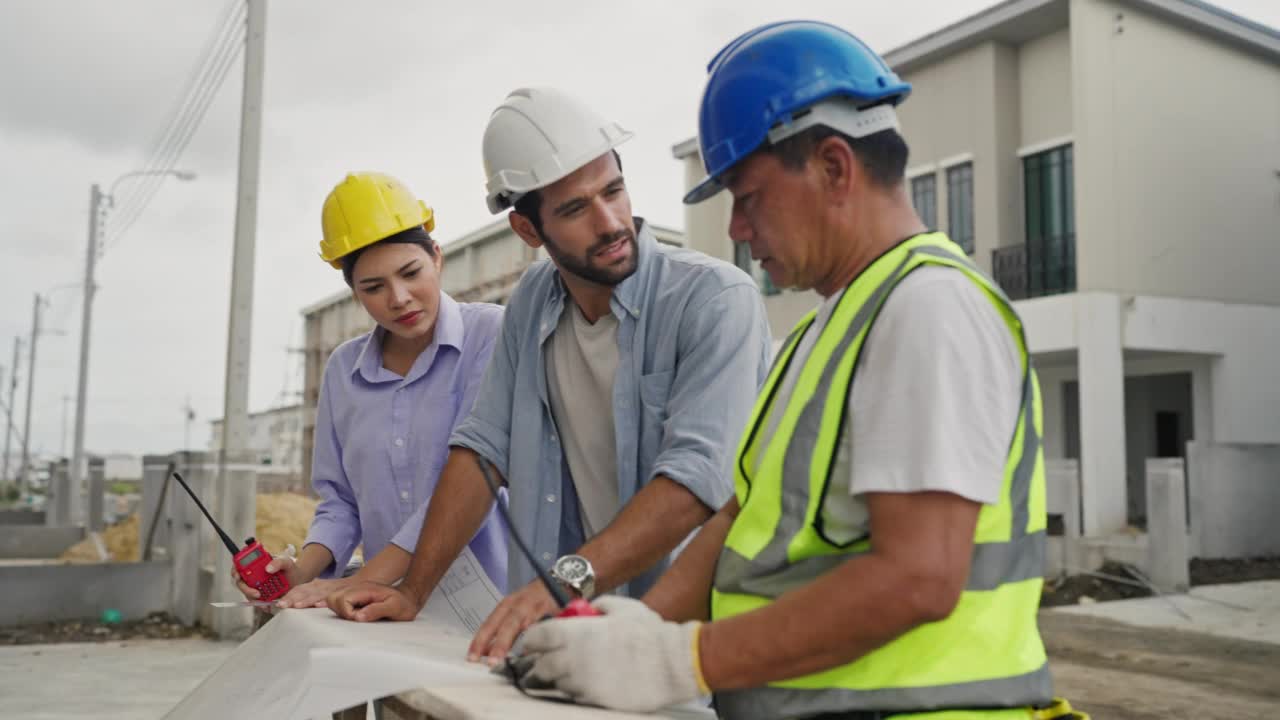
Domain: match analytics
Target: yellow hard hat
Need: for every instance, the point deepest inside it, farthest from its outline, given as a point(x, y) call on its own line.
point(367, 207)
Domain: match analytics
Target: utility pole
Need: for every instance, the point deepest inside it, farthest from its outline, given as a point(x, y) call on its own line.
point(78, 471)
point(13, 389)
point(62, 450)
point(23, 478)
point(10, 414)
point(237, 487)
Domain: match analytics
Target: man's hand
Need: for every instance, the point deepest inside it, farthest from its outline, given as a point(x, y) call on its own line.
point(630, 659)
point(516, 612)
point(312, 594)
point(369, 601)
point(279, 563)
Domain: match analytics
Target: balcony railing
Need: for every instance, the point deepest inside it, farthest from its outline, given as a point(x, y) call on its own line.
point(1048, 268)
point(1009, 265)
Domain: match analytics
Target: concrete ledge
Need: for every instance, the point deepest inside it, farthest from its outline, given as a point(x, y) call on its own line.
point(21, 517)
point(42, 593)
point(29, 541)
point(1120, 547)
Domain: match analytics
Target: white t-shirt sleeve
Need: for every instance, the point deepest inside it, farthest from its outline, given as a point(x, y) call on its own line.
point(937, 392)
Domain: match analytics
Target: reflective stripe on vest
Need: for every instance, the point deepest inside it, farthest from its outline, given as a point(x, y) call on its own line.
point(988, 652)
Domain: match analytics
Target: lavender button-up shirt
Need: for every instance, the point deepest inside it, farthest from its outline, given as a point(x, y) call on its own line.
point(381, 439)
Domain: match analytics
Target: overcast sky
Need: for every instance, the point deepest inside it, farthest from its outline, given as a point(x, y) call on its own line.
point(398, 86)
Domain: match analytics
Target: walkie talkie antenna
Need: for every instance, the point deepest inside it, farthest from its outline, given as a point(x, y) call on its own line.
point(557, 593)
point(225, 540)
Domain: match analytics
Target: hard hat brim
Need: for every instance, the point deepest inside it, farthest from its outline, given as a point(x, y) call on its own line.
point(704, 190)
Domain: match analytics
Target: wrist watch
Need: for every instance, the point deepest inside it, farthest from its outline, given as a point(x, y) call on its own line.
point(576, 574)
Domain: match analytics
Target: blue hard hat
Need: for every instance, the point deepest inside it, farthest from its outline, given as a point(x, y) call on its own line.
point(768, 74)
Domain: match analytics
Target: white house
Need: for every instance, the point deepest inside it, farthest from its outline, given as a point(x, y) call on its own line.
point(1115, 165)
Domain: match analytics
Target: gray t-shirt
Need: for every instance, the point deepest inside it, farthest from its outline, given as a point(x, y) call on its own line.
point(934, 401)
point(582, 359)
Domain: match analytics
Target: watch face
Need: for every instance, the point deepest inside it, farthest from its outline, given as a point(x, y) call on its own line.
point(572, 568)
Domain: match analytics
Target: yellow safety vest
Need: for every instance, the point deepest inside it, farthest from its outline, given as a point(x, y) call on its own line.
point(987, 654)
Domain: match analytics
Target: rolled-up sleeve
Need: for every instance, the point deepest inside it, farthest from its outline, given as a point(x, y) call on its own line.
point(337, 521)
point(723, 358)
point(487, 429)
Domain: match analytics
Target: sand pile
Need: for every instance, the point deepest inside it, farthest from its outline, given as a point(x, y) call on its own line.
point(282, 518)
point(120, 541)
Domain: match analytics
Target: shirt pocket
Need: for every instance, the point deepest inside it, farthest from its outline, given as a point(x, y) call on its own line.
point(438, 413)
point(655, 390)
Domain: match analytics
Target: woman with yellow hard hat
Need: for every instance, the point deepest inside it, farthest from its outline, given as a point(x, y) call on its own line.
point(389, 398)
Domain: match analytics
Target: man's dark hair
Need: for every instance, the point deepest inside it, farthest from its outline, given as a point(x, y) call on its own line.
point(883, 154)
point(530, 204)
point(416, 235)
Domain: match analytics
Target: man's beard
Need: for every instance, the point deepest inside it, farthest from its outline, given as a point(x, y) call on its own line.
point(583, 267)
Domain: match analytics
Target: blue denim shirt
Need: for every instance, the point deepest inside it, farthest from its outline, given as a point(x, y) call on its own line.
point(693, 349)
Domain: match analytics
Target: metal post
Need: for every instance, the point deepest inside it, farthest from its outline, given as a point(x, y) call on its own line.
point(24, 479)
point(78, 470)
point(237, 489)
point(13, 389)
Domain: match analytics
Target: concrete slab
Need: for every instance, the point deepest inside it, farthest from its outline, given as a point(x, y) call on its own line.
point(109, 681)
point(21, 517)
point(1244, 611)
point(31, 541)
point(41, 593)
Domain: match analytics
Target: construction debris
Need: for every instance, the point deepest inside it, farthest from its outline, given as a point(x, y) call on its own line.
point(156, 626)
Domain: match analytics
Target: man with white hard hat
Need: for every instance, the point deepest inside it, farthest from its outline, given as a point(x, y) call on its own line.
point(621, 379)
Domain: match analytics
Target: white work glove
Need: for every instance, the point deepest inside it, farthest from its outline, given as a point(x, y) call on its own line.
point(631, 659)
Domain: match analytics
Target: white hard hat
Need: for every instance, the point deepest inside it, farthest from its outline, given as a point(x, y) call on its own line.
point(537, 136)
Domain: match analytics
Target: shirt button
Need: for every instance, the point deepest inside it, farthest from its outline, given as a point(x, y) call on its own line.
point(546, 556)
point(551, 498)
point(399, 442)
point(555, 439)
point(404, 494)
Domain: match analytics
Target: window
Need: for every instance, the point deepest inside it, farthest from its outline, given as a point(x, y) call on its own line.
point(924, 196)
point(742, 258)
point(1051, 223)
point(960, 205)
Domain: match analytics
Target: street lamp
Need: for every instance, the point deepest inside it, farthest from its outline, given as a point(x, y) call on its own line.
point(183, 175)
point(78, 471)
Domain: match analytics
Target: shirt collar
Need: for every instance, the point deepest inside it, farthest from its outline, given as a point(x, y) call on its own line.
point(630, 292)
point(449, 332)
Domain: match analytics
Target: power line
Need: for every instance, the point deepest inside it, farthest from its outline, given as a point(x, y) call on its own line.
point(184, 126)
point(187, 100)
point(223, 49)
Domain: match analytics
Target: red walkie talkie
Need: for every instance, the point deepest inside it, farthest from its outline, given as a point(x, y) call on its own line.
point(251, 562)
point(569, 607)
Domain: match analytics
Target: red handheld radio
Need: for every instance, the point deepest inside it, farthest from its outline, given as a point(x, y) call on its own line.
point(251, 562)
point(569, 607)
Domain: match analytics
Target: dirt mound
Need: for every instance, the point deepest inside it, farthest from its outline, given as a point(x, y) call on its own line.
point(282, 518)
point(119, 540)
point(1111, 582)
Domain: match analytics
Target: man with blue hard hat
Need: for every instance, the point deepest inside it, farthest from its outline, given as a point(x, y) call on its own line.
point(883, 554)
